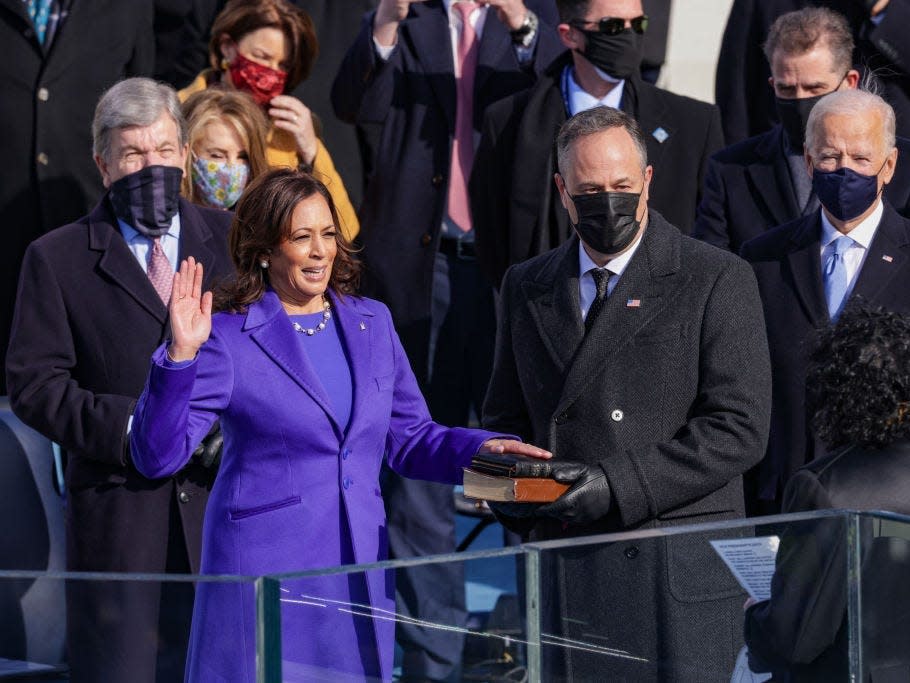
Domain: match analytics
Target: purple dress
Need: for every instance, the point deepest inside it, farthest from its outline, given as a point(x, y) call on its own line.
point(295, 489)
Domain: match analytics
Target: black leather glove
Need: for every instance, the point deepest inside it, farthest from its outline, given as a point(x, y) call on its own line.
point(208, 453)
point(587, 501)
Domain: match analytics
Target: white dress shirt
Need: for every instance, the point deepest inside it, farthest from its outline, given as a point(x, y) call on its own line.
point(579, 99)
point(855, 255)
point(587, 290)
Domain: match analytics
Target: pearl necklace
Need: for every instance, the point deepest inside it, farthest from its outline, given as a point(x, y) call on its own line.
point(326, 315)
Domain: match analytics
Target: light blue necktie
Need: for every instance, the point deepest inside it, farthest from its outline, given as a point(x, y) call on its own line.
point(39, 13)
point(835, 275)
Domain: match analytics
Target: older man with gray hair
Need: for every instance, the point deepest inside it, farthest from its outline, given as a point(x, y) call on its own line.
point(854, 248)
point(91, 308)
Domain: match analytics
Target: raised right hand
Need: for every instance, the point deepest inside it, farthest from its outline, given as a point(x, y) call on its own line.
point(190, 312)
point(388, 15)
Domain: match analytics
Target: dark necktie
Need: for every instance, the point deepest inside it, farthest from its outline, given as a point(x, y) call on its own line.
point(601, 280)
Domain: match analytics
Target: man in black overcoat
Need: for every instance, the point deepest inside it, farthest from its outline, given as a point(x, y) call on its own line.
point(638, 357)
point(50, 81)
point(851, 155)
point(87, 320)
point(516, 208)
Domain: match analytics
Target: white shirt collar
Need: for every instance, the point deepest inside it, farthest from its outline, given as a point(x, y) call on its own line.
point(616, 265)
point(581, 100)
point(862, 234)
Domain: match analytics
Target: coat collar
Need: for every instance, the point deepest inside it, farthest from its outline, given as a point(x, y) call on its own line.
point(770, 177)
point(118, 262)
point(892, 239)
point(651, 282)
point(269, 326)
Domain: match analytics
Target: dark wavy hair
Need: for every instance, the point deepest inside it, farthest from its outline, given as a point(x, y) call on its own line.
point(262, 220)
point(859, 380)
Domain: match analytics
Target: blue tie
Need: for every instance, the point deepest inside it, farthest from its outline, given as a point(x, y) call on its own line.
point(39, 13)
point(835, 275)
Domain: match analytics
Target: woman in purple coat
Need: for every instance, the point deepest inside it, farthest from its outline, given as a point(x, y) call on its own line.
point(313, 392)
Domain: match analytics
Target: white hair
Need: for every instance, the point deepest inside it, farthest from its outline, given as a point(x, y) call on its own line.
point(850, 103)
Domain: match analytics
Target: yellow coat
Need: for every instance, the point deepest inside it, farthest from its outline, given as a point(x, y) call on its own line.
point(281, 151)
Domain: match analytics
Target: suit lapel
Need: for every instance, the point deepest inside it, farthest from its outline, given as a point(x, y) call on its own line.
point(273, 332)
point(355, 324)
point(18, 9)
point(804, 262)
point(427, 30)
point(118, 262)
point(552, 299)
point(649, 281)
point(653, 117)
point(495, 48)
point(772, 181)
point(194, 236)
point(887, 256)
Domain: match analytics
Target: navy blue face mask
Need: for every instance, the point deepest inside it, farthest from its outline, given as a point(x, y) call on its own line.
point(845, 193)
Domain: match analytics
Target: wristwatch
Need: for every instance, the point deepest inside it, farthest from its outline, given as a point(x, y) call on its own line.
point(524, 34)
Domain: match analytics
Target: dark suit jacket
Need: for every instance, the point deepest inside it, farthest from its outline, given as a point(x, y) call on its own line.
point(801, 633)
point(87, 321)
point(46, 108)
point(787, 263)
point(741, 85)
point(515, 204)
point(671, 398)
point(407, 105)
point(748, 190)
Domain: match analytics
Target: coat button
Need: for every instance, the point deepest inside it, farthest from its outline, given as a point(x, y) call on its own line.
point(562, 418)
point(631, 552)
point(347, 483)
point(426, 239)
point(42, 159)
point(616, 416)
point(345, 453)
point(183, 497)
point(43, 94)
point(437, 179)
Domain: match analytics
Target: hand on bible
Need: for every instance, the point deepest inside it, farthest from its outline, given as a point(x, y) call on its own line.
point(586, 502)
point(190, 311)
point(513, 446)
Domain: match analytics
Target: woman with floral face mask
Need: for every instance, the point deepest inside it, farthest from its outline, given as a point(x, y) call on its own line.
point(227, 135)
point(266, 48)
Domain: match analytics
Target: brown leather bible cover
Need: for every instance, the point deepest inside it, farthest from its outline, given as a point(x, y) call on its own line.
point(511, 489)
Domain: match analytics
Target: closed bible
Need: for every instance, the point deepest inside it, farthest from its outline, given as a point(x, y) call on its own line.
point(511, 489)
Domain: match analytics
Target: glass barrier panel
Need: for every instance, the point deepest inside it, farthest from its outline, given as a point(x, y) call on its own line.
point(59, 626)
point(880, 581)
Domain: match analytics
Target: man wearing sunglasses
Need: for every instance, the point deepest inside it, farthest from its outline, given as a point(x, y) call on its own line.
point(515, 205)
point(761, 182)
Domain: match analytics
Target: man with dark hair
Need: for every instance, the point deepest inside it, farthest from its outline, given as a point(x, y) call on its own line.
point(517, 213)
point(762, 182)
point(855, 247)
point(879, 29)
point(92, 307)
point(638, 357)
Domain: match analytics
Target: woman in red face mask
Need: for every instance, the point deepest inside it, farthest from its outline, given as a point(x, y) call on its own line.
point(266, 48)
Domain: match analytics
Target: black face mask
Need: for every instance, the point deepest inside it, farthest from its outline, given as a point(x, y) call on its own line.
point(618, 55)
point(794, 114)
point(147, 199)
point(606, 220)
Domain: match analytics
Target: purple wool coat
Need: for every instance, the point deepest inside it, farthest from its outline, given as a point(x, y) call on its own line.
point(294, 491)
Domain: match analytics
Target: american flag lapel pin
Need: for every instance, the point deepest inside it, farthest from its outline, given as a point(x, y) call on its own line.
point(887, 259)
point(633, 303)
point(660, 134)
point(363, 325)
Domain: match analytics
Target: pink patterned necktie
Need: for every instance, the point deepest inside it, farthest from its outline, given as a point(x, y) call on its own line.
point(160, 271)
point(463, 138)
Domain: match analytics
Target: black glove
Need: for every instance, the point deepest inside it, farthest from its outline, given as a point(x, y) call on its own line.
point(208, 453)
point(587, 501)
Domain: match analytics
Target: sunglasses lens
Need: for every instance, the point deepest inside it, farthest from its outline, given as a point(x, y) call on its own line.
point(611, 25)
point(640, 24)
